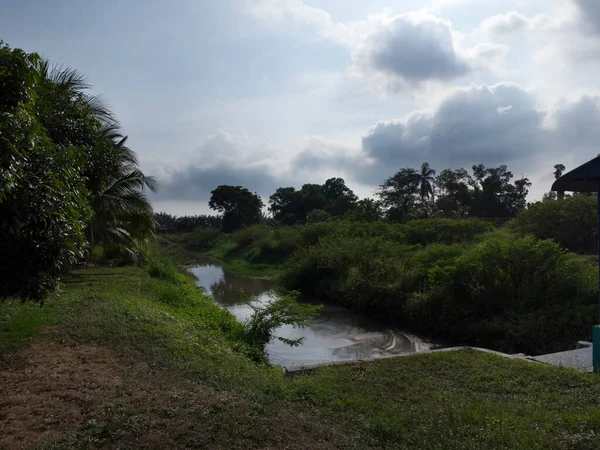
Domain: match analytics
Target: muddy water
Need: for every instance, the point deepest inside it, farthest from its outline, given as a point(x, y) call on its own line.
point(336, 334)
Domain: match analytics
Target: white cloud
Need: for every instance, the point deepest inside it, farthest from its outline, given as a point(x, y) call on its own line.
point(515, 22)
point(391, 52)
point(510, 22)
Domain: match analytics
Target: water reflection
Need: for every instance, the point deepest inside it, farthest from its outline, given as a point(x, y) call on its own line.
point(336, 334)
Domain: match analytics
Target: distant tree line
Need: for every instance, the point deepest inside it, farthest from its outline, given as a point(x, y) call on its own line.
point(484, 192)
point(167, 223)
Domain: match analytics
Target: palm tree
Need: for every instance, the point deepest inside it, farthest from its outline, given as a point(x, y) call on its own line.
point(558, 171)
point(122, 218)
point(426, 181)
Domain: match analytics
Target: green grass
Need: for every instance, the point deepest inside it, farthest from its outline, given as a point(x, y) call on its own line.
point(227, 252)
point(466, 400)
point(236, 260)
point(20, 323)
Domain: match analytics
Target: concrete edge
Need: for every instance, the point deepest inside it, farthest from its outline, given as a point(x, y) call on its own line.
point(294, 371)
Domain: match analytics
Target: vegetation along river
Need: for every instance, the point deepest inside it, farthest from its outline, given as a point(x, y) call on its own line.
point(336, 334)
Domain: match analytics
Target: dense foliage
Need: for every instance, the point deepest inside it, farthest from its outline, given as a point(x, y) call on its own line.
point(239, 207)
point(461, 280)
point(570, 221)
point(67, 180)
point(487, 193)
point(167, 223)
point(290, 206)
point(500, 291)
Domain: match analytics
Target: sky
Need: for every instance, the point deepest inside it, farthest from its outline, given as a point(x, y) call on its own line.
point(275, 93)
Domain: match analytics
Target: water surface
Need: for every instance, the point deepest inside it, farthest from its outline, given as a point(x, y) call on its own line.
point(336, 334)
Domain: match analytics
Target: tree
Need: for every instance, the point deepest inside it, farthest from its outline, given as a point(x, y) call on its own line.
point(43, 199)
point(65, 174)
point(285, 205)
point(399, 193)
point(167, 223)
point(558, 171)
point(454, 195)
point(289, 206)
point(426, 182)
point(366, 210)
point(123, 219)
point(238, 205)
point(339, 198)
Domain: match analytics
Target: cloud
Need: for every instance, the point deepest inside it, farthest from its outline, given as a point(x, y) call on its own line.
point(239, 159)
point(390, 52)
point(590, 13)
point(492, 125)
point(224, 158)
point(271, 12)
point(514, 22)
point(511, 22)
point(409, 49)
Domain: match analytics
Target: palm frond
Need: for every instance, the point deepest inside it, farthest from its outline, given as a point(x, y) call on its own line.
point(64, 76)
point(100, 110)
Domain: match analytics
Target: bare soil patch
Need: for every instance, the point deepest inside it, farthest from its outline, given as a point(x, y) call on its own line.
point(83, 396)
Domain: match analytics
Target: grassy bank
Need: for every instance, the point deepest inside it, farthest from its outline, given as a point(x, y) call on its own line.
point(185, 381)
point(460, 280)
point(189, 249)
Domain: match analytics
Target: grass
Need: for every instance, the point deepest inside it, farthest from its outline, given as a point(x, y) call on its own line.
point(233, 258)
point(448, 400)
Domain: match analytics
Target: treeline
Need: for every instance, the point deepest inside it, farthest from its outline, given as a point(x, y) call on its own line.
point(167, 223)
point(68, 182)
point(484, 193)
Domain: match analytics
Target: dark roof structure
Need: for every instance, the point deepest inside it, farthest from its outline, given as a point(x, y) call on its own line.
point(585, 178)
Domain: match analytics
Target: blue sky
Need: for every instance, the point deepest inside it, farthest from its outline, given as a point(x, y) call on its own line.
point(270, 93)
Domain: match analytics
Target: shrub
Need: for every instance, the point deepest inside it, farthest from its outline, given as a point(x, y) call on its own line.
point(204, 238)
point(368, 274)
point(265, 319)
point(570, 221)
point(510, 293)
point(317, 215)
point(249, 235)
point(503, 291)
point(445, 231)
point(163, 269)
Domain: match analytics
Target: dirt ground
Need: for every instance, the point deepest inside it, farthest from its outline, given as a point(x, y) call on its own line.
point(52, 391)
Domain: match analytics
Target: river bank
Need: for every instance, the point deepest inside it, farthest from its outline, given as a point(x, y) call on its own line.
point(335, 334)
point(460, 281)
point(129, 370)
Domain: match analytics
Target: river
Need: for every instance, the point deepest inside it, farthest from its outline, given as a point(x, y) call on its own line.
point(336, 334)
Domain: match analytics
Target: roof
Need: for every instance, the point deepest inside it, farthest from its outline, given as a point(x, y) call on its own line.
point(585, 178)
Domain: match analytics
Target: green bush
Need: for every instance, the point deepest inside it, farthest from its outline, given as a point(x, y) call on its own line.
point(572, 222)
point(445, 231)
point(367, 274)
point(265, 319)
point(163, 269)
point(249, 235)
point(204, 238)
point(509, 293)
point(504, 292)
